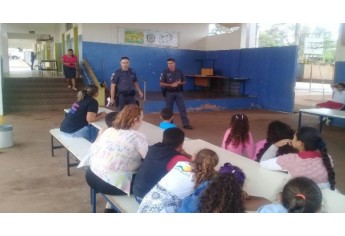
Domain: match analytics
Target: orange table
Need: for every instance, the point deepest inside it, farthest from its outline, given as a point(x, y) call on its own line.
point(205, 81)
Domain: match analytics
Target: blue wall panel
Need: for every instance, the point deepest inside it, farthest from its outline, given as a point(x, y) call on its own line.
point(272, 73)
point(339, 73)
point(227, 63)
point(205, 104)
point(148, 62)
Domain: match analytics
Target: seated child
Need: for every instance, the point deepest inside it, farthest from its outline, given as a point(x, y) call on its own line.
point(312, 159)
point(238, 138)
point(110, 118)
point(166, 196)
point(338, 99)
point(300, 195)
point(276, 131)
point(222, 194)
point(159, 160)
point(167, 116)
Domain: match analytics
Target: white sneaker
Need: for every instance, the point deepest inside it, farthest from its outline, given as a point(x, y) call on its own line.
point(328, 121)
point(69, 86)
point(74, 88)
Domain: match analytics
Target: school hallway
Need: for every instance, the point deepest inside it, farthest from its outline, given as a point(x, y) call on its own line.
point(33, 181)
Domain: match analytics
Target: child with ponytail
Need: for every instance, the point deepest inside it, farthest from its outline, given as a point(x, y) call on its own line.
point(299, 195)
point(311, 161)
point(238, 138)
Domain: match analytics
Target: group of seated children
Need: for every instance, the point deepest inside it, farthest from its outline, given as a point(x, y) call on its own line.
point(300, 153)
point(194, 186)
point(164, 178)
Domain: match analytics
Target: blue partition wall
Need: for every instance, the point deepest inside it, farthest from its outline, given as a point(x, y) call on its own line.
point(339, 72)
point(273, 74)
point(148, 62)
point(272, 71)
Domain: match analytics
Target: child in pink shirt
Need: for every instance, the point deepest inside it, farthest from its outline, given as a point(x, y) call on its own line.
point(238, 138)
point(311, 161)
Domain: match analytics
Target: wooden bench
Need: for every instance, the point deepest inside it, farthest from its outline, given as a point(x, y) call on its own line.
point(76, 147)
point(121, 204)
point(333, 201)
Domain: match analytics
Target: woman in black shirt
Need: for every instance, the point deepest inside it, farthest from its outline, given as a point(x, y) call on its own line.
point(82, 112)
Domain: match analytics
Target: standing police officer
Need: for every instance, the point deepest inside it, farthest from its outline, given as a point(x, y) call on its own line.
point(172, 80)
point(123, 82)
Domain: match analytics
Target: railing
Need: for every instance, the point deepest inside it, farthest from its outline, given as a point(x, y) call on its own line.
point(92, 79)
point(52, 66)
point(87, 79)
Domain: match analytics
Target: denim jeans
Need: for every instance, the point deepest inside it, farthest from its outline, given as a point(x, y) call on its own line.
point(82, 133)
point(138, 199)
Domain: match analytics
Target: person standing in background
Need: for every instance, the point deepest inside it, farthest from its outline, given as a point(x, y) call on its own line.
point(32, 59)
point(70, 65)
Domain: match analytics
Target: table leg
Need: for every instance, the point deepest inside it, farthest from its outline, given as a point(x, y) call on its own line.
point(299, 119)
point(321, 123)
point(243, 88)
point(229, 88)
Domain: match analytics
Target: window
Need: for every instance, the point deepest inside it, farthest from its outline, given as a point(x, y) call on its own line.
point(223, 28)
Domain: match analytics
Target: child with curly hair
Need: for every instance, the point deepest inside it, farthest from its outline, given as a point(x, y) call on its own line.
point(167, 195)
point(238, 138)
point(223, 194)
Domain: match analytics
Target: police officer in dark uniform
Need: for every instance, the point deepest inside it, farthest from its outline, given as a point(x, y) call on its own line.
point(123, 84)
point(172, 81)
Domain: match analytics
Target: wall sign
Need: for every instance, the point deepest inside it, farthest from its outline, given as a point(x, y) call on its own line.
point(148, 38)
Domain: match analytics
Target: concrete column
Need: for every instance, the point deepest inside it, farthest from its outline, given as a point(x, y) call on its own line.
point(1, 72)
point(248, 35)
point(340, 51)
point(243, 35)
point(4, 49)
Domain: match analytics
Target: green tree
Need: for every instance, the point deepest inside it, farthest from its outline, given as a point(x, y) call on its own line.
point(277, 35)
point(222, 29)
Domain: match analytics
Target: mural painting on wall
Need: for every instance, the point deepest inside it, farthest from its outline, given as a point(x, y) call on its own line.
point(148, 38)
point(136, 37)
